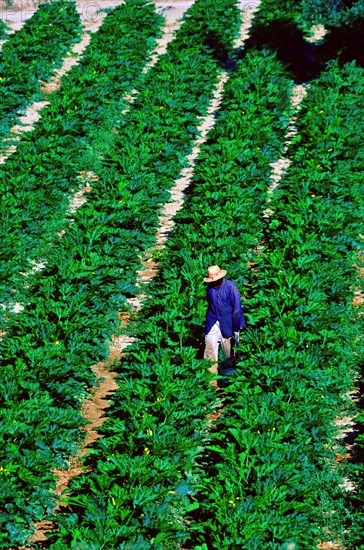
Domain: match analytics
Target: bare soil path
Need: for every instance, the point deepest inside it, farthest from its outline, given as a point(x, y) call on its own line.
point(92, 19)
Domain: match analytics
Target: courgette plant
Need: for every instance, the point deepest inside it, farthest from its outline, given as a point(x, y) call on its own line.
point(69, 316)
point(157, 424)
point(30, 56)
point(267, 472)
point(47, 353)
point(37, 181)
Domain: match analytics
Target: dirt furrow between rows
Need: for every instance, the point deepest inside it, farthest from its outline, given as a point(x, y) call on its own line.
point(92, 408)
point(173, 12)
point(298, 94)
point(279, 168)
point(9, 32)
point(14, 17)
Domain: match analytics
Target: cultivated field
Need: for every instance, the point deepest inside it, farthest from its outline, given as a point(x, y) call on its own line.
point(141, 142)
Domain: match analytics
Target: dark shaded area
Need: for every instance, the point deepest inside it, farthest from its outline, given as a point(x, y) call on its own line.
point(284, 37)
point(345, 43)
point(303, 59)
point(219, 50)
point(348, 3)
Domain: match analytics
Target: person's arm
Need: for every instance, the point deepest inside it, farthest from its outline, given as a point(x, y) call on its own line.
point(239, 322)
point(236, 305)
point(242, 320)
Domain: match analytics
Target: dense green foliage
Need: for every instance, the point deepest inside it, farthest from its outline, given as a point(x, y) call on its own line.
point(264, 471)
point(3, 28)
point(47, 351)
point(30, 56)
point(332, 12)
point(37, 181)
point(157, 429)
point(317, 225)
point(71, 306)
point(313, 12)
point(302, 349)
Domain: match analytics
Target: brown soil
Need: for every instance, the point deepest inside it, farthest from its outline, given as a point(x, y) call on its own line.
point(280, 167)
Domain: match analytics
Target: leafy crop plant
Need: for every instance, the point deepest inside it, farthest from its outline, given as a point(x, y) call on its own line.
point(30, 56)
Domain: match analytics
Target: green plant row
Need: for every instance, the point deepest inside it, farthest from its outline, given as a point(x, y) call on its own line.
point(331, 13)
point(266, 474)
point(144, 472)
point(37, 181)
point(71, 307)
point(30, 56)
point(45, 378)
point(274, 10)
point(273, 457)
point(316, 226)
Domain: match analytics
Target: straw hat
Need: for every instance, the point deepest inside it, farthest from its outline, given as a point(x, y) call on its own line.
point(214, 273)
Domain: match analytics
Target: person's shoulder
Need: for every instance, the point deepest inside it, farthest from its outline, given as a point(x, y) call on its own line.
point(231, 285)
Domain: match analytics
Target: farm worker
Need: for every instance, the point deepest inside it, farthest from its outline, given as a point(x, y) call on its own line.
point(224, 316)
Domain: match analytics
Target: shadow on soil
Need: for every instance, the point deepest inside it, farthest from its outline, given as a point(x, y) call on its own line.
point(306, 60)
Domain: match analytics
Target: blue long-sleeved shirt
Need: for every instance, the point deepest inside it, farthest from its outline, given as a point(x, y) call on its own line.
point(224, 305)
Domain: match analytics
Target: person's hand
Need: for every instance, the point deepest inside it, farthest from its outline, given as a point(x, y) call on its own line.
point(236, 336)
